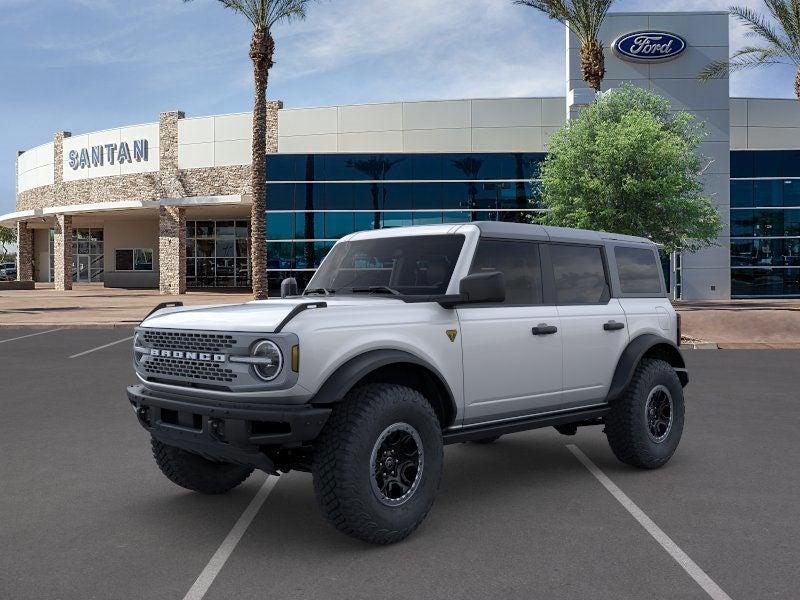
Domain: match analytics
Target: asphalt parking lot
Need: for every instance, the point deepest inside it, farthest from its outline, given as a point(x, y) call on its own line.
point(85, 513)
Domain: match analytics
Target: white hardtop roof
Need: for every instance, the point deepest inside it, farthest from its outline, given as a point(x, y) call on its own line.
point(508, 230)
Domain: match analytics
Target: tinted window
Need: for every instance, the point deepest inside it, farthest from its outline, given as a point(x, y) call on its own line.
point(638, 271)
point(579, 274)
point(519, 264)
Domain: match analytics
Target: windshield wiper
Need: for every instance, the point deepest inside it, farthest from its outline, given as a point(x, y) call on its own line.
point(323, 291)
point(376, 289)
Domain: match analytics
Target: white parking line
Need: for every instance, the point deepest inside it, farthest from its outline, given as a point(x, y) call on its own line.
point(688, 565)
point(214, 566)
point(22, 337)
point(130, 337)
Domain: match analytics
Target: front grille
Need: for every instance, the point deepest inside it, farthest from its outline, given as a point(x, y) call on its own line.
point(193, 342)
point(191, 369)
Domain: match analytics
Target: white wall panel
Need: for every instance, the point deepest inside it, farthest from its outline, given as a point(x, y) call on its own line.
point(370, 117)
point(738, 112)
point(739, 138)
point(437, 140)
point(307, 121)
point(554, 111)
point(446, 114)
point(507, 139)
point(698, 29)
point(507, 112)
point(691, 94)
point(196, 131)
point(233, 127)
point(767, 138)
point(195, 156)
point(299, 144)
point(233, 152)
point(717, 124)
point(773, 113)
point(35, 167)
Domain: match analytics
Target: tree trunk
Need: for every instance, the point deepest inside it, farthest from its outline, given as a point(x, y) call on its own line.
point(593, 64)
point(262, 48)
point(797, 84)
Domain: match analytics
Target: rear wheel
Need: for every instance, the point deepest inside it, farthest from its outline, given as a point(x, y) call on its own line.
point(193, 472)
point(645, 425)
point(378, 462)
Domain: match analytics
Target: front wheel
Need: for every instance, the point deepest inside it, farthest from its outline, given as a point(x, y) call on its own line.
point(193, 472)
point(645, 425)
point(378, 463)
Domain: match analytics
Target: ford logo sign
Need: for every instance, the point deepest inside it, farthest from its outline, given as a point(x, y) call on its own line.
point(649, 46)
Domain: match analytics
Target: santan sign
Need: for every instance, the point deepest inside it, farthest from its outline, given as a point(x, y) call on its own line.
point(97, 156)
point(649, 46)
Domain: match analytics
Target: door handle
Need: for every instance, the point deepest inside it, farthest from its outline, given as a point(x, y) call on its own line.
point(613, 326)
point(544, 329)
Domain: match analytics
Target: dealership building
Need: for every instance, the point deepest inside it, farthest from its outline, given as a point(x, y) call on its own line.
point(167, 204)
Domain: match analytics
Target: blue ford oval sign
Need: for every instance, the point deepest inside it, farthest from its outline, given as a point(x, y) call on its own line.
point(649, 46)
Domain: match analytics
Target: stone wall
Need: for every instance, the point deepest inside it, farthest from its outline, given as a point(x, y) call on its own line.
point(172, 249)
point(24, 252)
point(62, 253)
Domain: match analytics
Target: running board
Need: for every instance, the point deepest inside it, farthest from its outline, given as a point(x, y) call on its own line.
point(477, 432)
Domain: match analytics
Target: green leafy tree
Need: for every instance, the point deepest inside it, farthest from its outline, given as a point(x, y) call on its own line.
point(584, 18)
point(263, 15)
point(778, 40)
point(628, 165)
point(8, 236)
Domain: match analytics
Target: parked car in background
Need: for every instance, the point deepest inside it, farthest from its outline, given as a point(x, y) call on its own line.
point(8, 271)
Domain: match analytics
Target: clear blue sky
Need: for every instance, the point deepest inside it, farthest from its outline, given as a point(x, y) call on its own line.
point(84, 65)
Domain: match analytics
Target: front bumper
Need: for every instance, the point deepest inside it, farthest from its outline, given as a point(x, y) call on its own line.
point(228, 431)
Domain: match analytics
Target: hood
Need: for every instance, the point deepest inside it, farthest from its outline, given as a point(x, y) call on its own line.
point(261, 316)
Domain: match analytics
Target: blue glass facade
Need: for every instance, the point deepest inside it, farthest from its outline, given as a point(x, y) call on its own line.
point(315, 199)
point(765, 223)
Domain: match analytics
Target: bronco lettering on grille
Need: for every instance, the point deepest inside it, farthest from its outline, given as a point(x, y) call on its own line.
point(185, 355)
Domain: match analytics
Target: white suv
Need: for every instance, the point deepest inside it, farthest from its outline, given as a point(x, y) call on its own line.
point(407, 340)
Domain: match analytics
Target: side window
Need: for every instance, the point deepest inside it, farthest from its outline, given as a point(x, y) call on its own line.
point(519, 264)
point(580, 277)
point(638, 271)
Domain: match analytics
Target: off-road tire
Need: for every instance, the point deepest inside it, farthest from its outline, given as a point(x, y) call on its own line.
point(487, 440)
point(627, 425)
point(342, 462)
point(193, 472)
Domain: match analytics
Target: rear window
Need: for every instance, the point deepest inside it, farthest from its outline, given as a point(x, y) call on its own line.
point(638, 271)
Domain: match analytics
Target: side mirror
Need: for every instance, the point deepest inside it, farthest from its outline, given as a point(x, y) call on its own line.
point(480, 288)
point(289, 287)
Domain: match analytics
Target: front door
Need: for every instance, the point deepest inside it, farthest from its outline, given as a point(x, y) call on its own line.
point(512, 351)
point(594, 325)
point(83, 268)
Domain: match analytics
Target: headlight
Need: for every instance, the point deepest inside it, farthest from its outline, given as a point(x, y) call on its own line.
point(271, 360)
point(137, 343)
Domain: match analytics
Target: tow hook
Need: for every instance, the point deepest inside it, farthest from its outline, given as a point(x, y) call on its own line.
point(216, 428)
point(143, 414)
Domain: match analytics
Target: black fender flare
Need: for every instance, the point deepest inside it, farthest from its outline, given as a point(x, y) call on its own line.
point(355, 369)
point(636, 349)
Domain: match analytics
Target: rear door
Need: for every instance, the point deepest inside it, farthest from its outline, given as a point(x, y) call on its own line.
point(512, 351)
point(593, 323)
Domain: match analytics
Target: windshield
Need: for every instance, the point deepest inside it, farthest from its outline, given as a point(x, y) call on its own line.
point(407, 265)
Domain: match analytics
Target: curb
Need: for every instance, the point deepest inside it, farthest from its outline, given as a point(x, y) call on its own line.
point(702, 346)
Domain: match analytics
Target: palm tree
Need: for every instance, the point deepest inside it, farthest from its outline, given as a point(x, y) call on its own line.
point(584, 19)
point(780, 41)
point(262, 15)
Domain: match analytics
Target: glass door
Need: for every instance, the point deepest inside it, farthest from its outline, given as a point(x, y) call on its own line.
point(83, 268)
